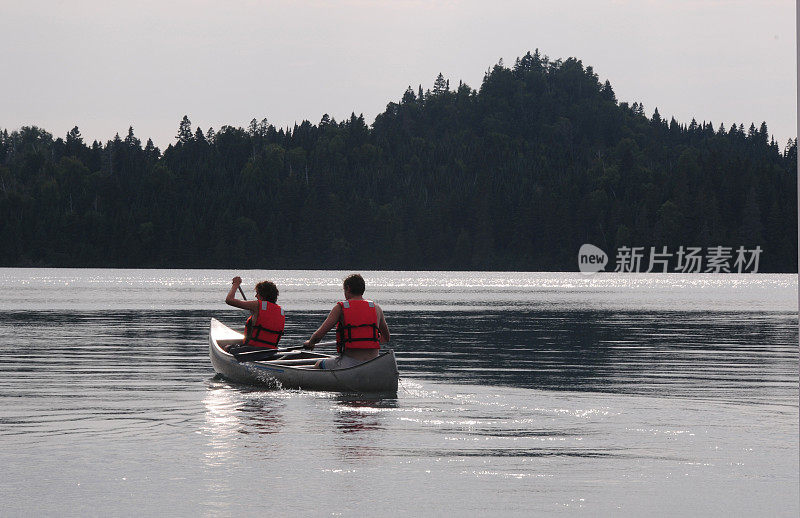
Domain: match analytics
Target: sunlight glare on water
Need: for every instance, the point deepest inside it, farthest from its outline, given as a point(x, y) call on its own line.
point(520, 394)
point(76, 289)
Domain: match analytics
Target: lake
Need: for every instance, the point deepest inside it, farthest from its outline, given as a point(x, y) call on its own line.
point(520, 394)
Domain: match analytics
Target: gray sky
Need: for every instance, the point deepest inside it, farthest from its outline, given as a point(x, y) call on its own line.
point(106, 65)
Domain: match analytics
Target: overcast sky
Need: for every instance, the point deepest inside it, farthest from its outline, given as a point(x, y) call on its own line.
point(106, 65)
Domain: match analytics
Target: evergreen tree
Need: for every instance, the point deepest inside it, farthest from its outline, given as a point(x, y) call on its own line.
point(131, 141)
point(184, 131)
point(151, 152)
point(440, 86)
point(656, 119)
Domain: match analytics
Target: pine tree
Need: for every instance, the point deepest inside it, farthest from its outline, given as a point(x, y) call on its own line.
point(184, 130)
point(74, 142)
point(763, 134)
point(607, 93)
point(263, 127)
point(656, 120)
point(131, 141)
point(151, 152)
point(440, 86)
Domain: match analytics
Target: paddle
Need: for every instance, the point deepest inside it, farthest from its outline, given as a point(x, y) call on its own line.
point(267, 354)
point(323, 344)
point(240, 291)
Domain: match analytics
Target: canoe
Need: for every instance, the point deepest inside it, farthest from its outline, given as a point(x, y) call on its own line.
point(294, 369)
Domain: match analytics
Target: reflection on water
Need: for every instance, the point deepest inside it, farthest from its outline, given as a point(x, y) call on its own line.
point(222, 423)
point(235, 411)
point(79, 372)
point(262, 416)
point(743, 356)
point(516, 408)
point(356, 414)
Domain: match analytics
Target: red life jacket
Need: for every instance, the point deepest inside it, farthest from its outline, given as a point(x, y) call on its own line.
point(267, 327)
point(358, 328)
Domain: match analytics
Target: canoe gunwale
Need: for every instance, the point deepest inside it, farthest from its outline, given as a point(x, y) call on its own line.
point(375, 376)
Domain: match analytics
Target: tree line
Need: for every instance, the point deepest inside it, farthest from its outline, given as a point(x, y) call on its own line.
point(515, 175)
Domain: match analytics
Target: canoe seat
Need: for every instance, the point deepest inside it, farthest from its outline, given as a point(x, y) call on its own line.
point(225, 344)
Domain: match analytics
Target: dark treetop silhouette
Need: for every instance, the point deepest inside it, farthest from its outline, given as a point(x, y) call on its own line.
point(514, 176)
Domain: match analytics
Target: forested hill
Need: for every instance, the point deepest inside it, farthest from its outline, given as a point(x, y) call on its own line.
point(513, 176)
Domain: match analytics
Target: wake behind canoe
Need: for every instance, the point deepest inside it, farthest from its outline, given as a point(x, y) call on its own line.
point(295, 370)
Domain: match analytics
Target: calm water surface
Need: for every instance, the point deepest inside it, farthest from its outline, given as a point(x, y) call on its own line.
point(521, 394)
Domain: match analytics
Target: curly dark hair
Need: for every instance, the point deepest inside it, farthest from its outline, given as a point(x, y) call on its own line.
point(356, 284)
point(267, 291)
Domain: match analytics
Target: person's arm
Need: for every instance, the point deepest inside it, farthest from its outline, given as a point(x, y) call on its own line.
point(383, 328)
point(333, 318)
point(231, 300)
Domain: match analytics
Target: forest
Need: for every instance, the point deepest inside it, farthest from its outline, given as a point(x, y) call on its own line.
point(515, 175)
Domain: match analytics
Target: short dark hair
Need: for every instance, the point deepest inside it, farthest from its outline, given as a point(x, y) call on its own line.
point(267, 291)
point(356, 284)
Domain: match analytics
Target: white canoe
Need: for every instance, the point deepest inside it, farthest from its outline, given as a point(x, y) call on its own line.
point(295, 370)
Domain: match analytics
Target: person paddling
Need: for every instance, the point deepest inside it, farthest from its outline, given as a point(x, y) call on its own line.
point(361, 327)
point(264, 327)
